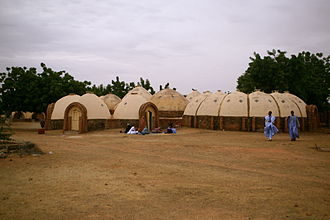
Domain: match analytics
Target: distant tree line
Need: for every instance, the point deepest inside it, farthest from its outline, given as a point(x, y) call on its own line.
point(306, 75)
point(24, 89)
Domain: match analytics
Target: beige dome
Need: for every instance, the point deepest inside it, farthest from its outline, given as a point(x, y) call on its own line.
point(111, 100)
point(211, 105)
point(61, 104)
point(299, 102)
point(193, 94)
point(235, 105)
point(139, 90)
point(129, 106)
point(96, 108)
point(193, 105)
point(285, 104)
point(261, 103)
point(169, 100)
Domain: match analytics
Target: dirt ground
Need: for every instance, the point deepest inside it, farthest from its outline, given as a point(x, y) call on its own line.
point(194, 174)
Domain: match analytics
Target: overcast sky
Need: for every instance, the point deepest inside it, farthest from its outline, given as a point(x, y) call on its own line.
point(202, 44)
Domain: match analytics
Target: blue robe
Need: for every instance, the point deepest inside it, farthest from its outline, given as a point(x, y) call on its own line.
point(293, 124)
point(270, 129)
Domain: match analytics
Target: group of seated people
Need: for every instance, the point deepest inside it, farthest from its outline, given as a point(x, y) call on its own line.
point(130, 129)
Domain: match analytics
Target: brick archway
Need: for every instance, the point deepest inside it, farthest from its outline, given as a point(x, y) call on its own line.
point(144, 119)
point(82, 119)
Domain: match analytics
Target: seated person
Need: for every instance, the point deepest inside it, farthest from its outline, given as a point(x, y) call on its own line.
point(128, 127)
point(144, 131)
point(132, 131)
point(157, 130)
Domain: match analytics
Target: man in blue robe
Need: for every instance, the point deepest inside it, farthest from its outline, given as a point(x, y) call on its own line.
point(293, 125)
point(270, 129)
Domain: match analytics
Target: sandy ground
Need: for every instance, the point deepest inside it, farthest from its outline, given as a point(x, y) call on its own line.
point(195, 174)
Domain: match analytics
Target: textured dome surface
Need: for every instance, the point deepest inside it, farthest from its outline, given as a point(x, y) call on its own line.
point(169, 100)
point(285, 104)
point(96, 108)
point(299, 102)
point(192, 95)
point(211, 105)
point(193, 105)
point(111, 100)
point(129, 107)
point(261, 103)
point(235, 105)
point(139, 90)
point(61, 104)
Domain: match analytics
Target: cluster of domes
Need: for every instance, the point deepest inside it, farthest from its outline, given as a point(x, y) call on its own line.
point(168, 106)
point(239, 104)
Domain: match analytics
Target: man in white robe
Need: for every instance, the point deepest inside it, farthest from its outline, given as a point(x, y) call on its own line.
point(270, 129)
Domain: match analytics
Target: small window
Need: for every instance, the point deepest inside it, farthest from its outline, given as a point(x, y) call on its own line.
point(240, 100)
point(228, 100)
point(125, 103)
point(256, 100)
point(269, 100)
point(282, 101)
point(197, 100)
point(215, 100)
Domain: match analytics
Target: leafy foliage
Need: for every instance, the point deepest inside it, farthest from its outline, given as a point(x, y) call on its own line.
point(24, 89)
point(306, 75)
point(120, 88)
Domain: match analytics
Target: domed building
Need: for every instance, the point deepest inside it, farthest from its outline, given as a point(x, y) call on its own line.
point(78, 113)
point(242, 112)
point(171, 105)
point(136, 110)
point(192, 107)
point(192, 95)
point(111, 100)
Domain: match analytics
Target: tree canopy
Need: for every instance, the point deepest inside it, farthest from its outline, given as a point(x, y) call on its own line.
point(306, 75)
point(26, 90)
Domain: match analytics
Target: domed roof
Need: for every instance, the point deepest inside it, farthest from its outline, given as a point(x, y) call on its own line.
point(285, 104)
point(139, 90)
point(211, 105)
point(129, 107)
point(61, 104)
point(111, 100)
point(193, 94)
point(96, 108)
point(235, 105)
point(261, 103)
point(169, 100)
point(193, 105)
point(299, 102)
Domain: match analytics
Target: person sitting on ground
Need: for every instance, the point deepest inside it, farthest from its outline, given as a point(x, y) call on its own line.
point(170, 129)
point(132, 130)
point(156, 130)
point(128, 127)
point(144, 131)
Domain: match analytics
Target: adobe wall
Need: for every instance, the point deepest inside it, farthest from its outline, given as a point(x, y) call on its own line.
point(97, 124)
point(56, 124)
point(165, 122)
point(170, 114)
point(122, 123)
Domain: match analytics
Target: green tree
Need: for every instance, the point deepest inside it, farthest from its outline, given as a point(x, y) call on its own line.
point(24, 89)
point(305, 75)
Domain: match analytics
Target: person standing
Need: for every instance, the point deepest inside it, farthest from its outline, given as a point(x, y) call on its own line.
point(293, 125)
point(270, 129)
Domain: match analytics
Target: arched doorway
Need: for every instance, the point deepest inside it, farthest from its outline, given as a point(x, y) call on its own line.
point(148, 116)
point(75, 118)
